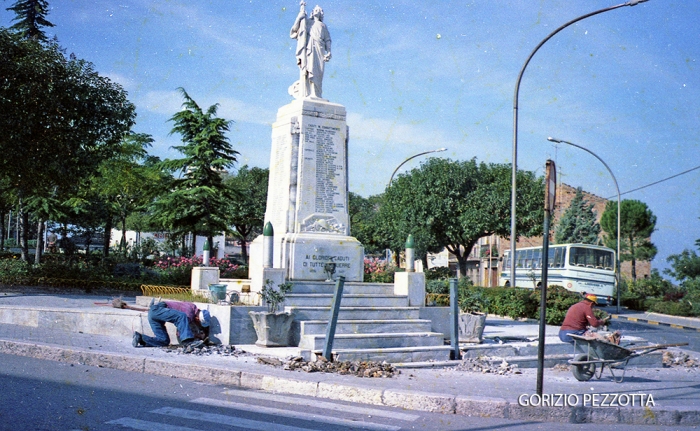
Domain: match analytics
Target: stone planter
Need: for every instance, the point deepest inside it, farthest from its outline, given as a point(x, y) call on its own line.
point(471, 327)
point(272, 329)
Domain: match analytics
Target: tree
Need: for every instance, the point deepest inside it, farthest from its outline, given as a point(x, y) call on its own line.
point(685, 266)
point(31, 16)
point(364, 221)
point(451, 204)
point(199, 198)
point(65, 116)
point(636, 226)
point(578, 223)
point(127, 182)
point(247, 210)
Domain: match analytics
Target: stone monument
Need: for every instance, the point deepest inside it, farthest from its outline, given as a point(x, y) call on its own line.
point(307, 200)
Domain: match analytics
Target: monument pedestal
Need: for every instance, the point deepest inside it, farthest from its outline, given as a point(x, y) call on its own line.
point(307, 200)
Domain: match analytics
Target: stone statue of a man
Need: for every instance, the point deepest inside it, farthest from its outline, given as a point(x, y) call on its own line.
point(313, 51)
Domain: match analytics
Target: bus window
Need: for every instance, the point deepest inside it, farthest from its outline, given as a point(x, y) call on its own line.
point(528, 258)
point(537, 258)
point(506, 261)
point(559, 257)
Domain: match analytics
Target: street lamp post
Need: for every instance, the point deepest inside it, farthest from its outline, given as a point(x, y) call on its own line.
point(413, 157)
point(617, 257)
point(513, 199)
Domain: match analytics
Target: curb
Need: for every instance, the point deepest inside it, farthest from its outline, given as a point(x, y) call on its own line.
point(410, 400)
point(654, 322)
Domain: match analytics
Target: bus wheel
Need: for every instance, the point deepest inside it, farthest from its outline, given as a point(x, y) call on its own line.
point(507, 284)
point(539, 285)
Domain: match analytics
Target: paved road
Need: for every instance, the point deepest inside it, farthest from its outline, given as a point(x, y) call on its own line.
point(657, 334)
point(46, 395)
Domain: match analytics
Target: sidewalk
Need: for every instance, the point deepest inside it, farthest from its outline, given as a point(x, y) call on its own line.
point(674, 393)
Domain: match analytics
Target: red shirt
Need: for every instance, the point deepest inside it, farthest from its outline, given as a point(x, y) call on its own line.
point(580, 316)
point(186, 307)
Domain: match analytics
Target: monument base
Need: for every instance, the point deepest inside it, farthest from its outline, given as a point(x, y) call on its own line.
point(309, 257)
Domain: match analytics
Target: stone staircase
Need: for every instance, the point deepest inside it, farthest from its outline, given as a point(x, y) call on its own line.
point(373, 324)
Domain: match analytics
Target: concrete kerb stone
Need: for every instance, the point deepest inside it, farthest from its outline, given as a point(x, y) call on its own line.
point(485, 407)
point(193, 372)
point(352, 394)
point(73, 356)
point(289, 386)
point(411, 400)
point(423, 401)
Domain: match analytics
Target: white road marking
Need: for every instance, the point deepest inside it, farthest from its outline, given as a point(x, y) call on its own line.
point(323, 405)
point(227, 420)
point(147, 426)
point(297, 415)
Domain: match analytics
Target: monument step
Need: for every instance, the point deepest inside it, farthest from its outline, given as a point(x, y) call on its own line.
point(395, 355)
point(355, 313)
point(350, 300)
point(309, 327)
point(373, 341)
point(349, 288)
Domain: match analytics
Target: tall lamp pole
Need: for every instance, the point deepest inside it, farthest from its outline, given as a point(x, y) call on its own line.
point(413, 157)
point(513, 199)
point(617, 257)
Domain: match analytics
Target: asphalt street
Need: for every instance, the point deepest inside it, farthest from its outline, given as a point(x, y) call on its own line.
point(47, 395)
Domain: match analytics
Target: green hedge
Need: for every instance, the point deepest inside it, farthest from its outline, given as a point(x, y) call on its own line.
point(515, 303)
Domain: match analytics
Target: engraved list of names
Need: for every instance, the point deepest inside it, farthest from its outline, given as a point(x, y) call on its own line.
point(329, 173)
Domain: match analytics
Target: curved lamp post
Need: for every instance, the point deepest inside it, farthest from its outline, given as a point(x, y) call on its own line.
point(413, 157)
point(617, 257)
point(515, 125)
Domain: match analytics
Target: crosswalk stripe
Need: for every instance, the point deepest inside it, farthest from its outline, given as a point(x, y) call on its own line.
point(297, 415)
point(323, 405)
point(147, 425)
point(226, 420)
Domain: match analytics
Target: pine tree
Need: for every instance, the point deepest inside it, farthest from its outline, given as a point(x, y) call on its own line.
point(199, 200)
point(30, 17)
point(578, 224)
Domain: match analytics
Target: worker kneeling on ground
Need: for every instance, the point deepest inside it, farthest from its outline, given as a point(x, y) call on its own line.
point(579, 317)
point(192, 324)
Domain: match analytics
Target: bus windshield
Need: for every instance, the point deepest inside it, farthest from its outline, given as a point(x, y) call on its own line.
point(591, 258)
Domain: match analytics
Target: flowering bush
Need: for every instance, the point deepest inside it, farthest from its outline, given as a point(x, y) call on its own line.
point(377, 271)
point(178, 270)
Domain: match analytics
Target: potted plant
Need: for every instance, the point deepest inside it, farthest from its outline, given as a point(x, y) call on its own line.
point(473, 304)
point(272, 326)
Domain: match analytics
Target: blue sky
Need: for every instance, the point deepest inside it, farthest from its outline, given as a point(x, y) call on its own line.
point(416, 76)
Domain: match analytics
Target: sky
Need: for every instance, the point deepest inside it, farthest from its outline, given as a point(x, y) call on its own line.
point(417, 76)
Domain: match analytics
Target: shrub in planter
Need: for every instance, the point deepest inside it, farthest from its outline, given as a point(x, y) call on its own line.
point(272, 327)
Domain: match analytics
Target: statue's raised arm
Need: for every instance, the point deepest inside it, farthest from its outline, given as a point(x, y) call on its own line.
point(312, 52)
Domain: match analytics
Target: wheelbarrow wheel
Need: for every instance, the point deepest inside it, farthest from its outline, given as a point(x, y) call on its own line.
point(583, 372)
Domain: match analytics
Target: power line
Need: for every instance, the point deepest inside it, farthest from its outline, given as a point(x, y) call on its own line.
point(657, 182)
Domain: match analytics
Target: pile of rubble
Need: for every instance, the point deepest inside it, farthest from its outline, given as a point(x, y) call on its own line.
point(356, 368)
point(207, 350)
point(486, 366)
point(680, 360)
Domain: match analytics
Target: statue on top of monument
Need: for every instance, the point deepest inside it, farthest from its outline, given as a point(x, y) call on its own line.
point(313, 51)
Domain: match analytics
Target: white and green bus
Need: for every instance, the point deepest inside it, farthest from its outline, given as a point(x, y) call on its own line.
point(577, 267)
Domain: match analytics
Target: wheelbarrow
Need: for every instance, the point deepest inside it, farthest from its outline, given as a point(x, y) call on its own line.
point(601, 353)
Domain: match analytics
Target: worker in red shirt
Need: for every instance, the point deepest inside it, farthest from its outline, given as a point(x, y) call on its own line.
point(579, 317)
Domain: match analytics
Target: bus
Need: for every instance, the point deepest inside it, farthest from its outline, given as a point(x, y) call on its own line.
point(577, 267)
